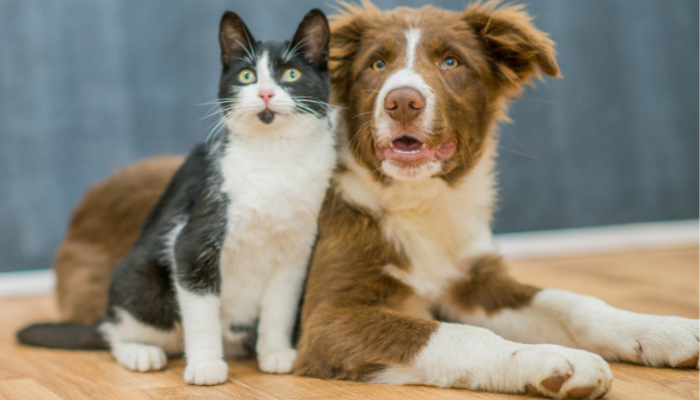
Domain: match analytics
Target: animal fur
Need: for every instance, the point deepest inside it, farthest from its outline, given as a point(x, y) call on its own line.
point(102, 230)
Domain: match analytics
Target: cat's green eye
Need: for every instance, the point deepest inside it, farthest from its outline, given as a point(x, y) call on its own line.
point(246, 76)
point(291, 75)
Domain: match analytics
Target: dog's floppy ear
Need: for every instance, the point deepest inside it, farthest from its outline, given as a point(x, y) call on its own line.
point(347, 28)
point(517, 50)
point(234, 37)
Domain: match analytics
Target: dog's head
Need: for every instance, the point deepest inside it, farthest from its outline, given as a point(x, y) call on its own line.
point(422, 87)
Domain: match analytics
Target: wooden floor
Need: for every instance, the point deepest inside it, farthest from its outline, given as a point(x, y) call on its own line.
point(658, 282)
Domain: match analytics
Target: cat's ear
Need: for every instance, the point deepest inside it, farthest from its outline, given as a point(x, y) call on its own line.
point(234, 37)
point(312, 38)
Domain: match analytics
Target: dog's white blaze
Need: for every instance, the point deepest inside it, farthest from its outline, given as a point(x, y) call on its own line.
point(412, 39)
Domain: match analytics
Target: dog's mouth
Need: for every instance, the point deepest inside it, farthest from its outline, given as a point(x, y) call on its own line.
point(407, 149)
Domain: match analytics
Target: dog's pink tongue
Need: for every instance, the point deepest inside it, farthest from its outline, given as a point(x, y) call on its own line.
point(406, 144)
point(446, 150)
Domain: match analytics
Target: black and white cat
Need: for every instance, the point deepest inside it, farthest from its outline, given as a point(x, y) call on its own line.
point(227, 245)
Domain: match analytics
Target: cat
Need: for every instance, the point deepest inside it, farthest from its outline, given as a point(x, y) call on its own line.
point(226, 248)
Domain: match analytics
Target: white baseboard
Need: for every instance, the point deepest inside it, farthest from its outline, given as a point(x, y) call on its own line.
point(556, 243)
point(27, 283)
point(600, 239)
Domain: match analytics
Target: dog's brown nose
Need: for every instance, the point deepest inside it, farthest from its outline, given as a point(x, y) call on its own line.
point(404, 104)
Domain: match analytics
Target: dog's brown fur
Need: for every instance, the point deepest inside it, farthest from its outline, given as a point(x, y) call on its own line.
point(489, 287)
point(102, 230)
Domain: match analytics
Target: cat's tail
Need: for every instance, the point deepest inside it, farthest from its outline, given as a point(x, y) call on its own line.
point(63, 336)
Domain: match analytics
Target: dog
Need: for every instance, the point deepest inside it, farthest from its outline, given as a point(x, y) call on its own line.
point(102, 231)
point(405, 284)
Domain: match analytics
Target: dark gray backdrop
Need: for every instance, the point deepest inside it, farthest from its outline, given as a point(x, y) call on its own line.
point(88, 86)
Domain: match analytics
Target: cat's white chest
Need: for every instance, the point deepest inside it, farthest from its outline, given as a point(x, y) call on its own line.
point(275, 192)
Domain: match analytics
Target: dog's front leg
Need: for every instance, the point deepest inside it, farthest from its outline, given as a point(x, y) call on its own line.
point(489, 298)
point(474, 358)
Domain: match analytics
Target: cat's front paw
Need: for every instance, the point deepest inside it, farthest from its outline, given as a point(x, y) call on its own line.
point(140, 357)
point(277, 361)
point(667, 342)
point(206, 373)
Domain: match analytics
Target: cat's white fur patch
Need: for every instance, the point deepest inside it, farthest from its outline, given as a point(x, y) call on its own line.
point(126, 328)
point(139, 357)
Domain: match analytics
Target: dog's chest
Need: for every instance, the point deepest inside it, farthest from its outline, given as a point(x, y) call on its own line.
point(437, 238)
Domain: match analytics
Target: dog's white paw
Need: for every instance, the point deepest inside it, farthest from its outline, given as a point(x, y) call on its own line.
point(140, 357)
point(662, 341)
point(278, 361)
point(206, 373)
point(560, 372)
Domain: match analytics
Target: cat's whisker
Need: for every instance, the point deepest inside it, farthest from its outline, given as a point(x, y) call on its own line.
point(292, 53)
point(249, 56)
point(360, 114)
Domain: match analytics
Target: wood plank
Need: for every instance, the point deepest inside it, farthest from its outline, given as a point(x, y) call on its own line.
point(23, 389)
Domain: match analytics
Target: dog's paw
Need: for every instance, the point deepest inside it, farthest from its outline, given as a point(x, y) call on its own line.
point(277, 362)
point(661, 341)
point(140, 357)
point(206, 373)
point(562, 373)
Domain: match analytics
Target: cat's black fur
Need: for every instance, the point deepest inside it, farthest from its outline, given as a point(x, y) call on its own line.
point(142, 282)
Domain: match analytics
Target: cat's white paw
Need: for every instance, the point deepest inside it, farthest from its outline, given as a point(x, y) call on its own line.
point(277, 362)
point(662, 341)
point(140, 357)
point(560, 372)
point(206, 373)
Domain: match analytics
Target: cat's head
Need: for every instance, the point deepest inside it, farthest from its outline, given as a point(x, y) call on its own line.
point(266, 84)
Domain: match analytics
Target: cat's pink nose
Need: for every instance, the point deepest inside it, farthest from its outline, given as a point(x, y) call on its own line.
point(266, 95)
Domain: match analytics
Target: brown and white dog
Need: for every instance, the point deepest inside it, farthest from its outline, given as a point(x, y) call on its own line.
point(405, 285)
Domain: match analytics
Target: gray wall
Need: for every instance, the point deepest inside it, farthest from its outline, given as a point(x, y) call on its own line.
point(88, 86)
